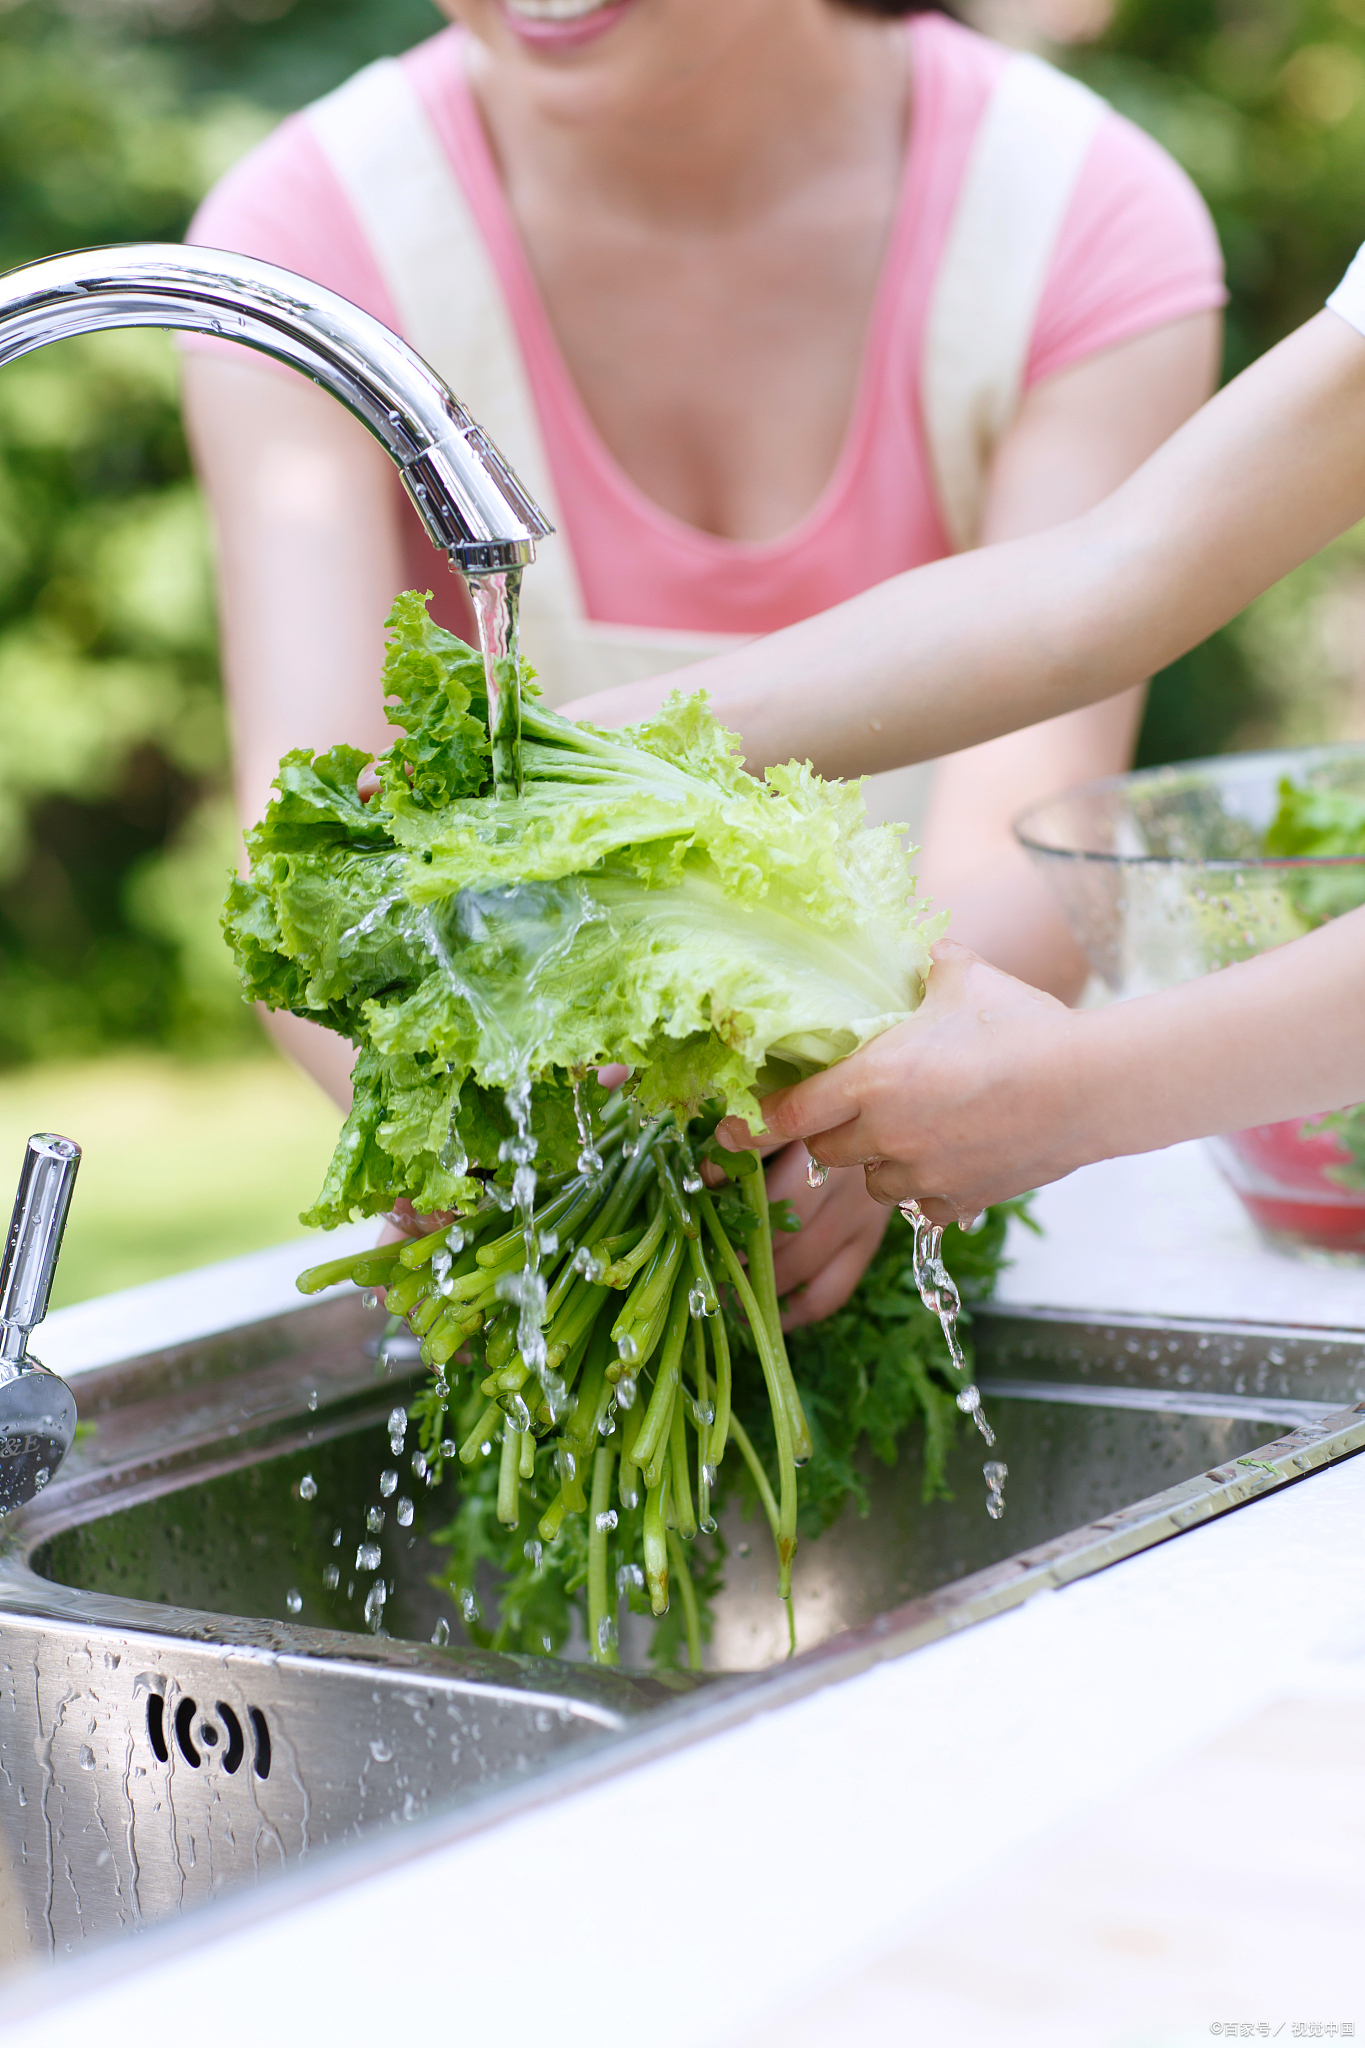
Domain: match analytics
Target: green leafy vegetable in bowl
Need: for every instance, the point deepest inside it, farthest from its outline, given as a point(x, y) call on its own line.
point(1327, 824)
point(591, 1312)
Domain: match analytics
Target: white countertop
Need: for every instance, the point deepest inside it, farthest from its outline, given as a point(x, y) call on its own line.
point(1164, 1232)
point(1113, 1818)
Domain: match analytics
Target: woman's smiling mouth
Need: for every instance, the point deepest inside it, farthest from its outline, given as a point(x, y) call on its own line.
point(562, 22)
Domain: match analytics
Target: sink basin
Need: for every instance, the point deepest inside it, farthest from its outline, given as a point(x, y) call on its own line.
point(194, 1696)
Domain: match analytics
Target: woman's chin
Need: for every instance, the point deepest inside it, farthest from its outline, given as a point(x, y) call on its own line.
point(563, 24)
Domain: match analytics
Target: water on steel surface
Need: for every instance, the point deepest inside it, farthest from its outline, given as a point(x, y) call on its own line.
point(191, 1699)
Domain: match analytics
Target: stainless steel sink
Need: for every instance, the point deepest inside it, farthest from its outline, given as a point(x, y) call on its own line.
point(187, 1701)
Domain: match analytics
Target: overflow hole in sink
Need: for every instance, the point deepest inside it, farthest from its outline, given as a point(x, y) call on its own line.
point(236, 1743)
point(262, 1735)
point(184, 1722)
point(156, 1727)
point(192, 1740)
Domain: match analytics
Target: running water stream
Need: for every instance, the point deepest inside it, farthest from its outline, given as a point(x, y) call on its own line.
point(496, 601)
point(938, 1292)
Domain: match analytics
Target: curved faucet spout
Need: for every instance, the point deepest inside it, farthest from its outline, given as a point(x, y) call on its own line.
point(469, 499)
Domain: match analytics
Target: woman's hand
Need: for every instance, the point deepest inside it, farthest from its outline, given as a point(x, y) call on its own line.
point(979, 1096)
point(819, 1265)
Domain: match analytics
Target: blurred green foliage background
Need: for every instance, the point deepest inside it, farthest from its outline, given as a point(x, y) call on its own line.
point(115, 832)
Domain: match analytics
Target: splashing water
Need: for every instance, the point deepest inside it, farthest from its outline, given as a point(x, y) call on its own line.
point(995, 1475)
point(589, 1158)
point(938, 1292)
point(496, 601)
point(527, 1289)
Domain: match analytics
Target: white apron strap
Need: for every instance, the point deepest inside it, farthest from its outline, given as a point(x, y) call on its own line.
point(1025, 160)
point(412, 209)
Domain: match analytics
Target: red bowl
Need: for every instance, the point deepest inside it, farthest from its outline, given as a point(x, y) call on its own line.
point(1283, 1174)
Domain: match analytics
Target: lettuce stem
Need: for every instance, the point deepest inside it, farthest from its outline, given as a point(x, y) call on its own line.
point(687, 1593)
point(771, 1362)
point(601, 1643)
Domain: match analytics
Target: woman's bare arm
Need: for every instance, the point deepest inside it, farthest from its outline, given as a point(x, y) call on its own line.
point(992, 1088)
point(964, 650)
point(304, 509)
point(1077, 436)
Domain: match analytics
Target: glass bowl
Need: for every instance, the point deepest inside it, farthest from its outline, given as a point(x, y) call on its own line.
point(1162, 879)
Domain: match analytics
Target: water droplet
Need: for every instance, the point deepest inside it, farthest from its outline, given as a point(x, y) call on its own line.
point(627, 1350)
point(628, 1575)
point(469, 1606)
point(532, 1552)
point(87, 1757)
point(369, 1299)
point(330, 1577)
point(374, 1520)
point(587, 1262)
point(398, 1423)
point(374, 1604)
point(605, 1521)
point(367, 1557)
point(440, 1635)
point(293, 1600)
point(313, 1402)
point(388, 1484)
point(308, 1487)
point(995, 1475)
point(41, 1478)
point(336, 1537)
point(816, 1174)
point(419, 1463)
point(381, 1751)
point(692, 1183)
point(606, 1634)
point(404, 1512)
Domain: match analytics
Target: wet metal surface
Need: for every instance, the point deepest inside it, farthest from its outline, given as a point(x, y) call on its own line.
point(189, 1698)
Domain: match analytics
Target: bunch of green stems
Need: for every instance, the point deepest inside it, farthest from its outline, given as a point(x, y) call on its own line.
point(630, 1407)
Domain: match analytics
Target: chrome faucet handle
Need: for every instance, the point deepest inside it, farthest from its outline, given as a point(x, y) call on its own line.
point(37, 1410)
point(47, 1181)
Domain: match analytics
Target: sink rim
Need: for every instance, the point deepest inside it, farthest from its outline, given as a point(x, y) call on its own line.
point(627, 1721)
point(1322, 1434)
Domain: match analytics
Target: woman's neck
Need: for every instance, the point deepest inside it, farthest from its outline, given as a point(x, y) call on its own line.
point(698, 131)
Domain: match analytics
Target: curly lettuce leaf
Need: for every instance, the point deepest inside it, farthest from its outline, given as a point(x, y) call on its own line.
point(644, 900)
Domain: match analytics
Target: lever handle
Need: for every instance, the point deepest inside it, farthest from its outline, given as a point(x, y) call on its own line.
point(46, 1181)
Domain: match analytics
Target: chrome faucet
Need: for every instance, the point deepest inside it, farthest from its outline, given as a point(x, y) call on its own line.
point(469, 499)
point(37, 1411)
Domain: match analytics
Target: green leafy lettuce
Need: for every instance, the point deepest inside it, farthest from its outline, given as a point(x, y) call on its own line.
point(1317, 823)
point(644, 900)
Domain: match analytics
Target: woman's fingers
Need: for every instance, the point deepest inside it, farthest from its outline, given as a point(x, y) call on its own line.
point(830, 1289)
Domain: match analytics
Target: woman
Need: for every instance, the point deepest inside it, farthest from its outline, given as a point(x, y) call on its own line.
point(768, 300)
